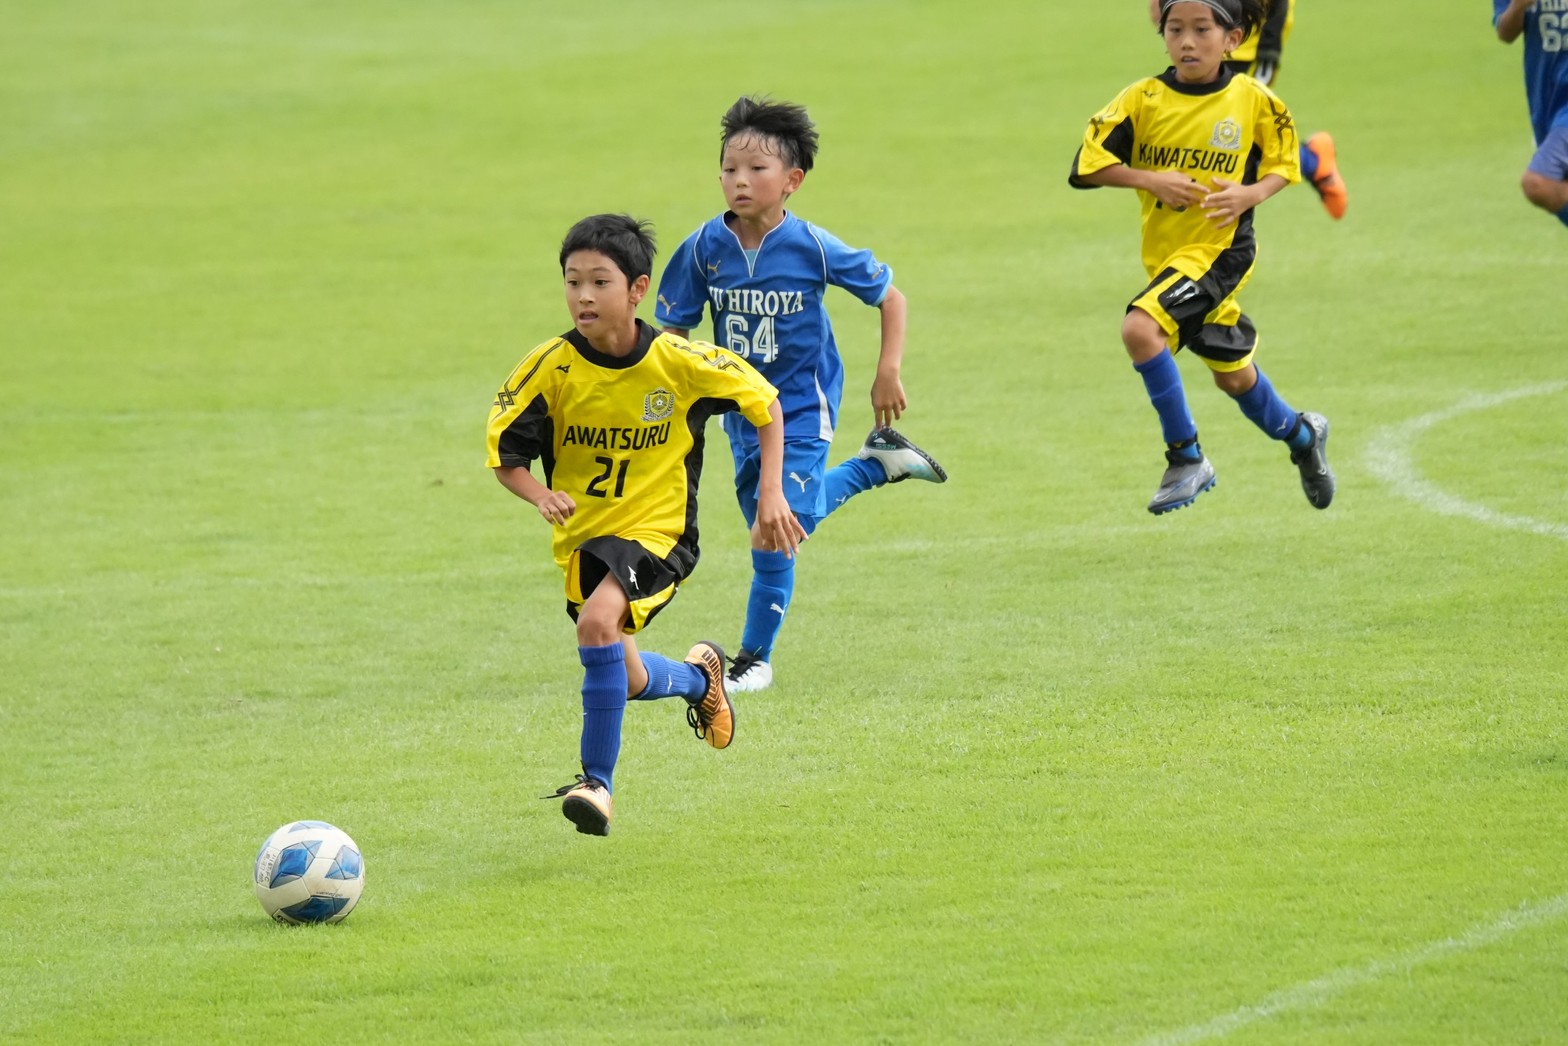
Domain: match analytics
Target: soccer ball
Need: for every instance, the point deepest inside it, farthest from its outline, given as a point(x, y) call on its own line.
point(309, 872)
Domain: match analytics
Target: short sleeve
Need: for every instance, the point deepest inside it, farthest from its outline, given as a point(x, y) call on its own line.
point(725, 376)
point(682, 288)
point(520, 428)
point(1108, 140)
point(1275, 136)
point(857, 271)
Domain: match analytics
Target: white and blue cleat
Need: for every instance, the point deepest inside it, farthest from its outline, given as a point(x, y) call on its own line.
point(899, 458)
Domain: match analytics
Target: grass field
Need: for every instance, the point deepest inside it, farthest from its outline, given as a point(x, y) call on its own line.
point(1039, 767)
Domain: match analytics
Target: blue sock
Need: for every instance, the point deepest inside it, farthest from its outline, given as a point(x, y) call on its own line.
point(668, 678)
point(604, 706)
point(850, 477)
point(1264, 408)
point(1562, 215)
point(1309, 163)
point(772, 584)
point(1162, 379)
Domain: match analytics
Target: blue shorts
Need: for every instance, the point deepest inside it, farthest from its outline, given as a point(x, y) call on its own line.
point(1551, 159)
point(805, 465)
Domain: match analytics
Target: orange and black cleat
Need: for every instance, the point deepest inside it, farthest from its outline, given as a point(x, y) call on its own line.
point(712, 718)
point(1329, 185)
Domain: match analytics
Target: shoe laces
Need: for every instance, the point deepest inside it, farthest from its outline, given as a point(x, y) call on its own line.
point(695, 719)
point(582, 781)
point(742, 663)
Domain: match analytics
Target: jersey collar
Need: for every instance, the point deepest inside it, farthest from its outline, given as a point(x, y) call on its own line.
point(645, 335)
point(1168, 78)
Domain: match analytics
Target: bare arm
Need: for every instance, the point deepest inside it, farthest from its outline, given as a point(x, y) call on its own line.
point(888, 401)
point(554, 505)
point(1174, 189)
point(776, 528)
point(1511, 22)
point(679, 332)
point(1154, 11)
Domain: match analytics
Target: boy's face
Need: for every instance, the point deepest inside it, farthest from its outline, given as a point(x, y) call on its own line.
point(603, 305)
point(1196, 42)
point(755, 177)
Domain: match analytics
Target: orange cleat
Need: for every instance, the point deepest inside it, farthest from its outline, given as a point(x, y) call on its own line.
point(1329, 185)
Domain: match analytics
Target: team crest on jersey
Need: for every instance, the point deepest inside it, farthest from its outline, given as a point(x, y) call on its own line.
point(658, 405)
point(1227, 135)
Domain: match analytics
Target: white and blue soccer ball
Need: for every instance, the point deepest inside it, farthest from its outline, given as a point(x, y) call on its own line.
point(309, 872)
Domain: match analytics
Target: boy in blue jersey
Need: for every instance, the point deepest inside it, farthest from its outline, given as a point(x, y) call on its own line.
point(763, 272)
point(1544, 25)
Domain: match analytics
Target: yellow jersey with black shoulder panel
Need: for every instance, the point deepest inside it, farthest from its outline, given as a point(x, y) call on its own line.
point(1234, 128)
point(622, 435)
point(1269, 38)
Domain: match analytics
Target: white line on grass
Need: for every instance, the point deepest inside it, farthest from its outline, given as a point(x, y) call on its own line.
point(1315, 993)
point(1389, 456)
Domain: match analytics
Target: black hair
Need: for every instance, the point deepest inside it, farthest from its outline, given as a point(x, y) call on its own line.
point(1246, 15)
point(625, 240)
point(782, 122)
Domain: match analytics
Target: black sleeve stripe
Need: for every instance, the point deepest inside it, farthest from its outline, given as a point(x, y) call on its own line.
point(1118, 143)
point(530, 435)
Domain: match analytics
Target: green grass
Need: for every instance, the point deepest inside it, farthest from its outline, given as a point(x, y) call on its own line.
point(1039, 767)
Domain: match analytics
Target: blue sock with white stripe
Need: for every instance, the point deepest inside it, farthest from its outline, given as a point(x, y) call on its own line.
point(772, 585)
point(850, 477)
point(1265, 409)
point(668, 678)
point(604, 706)
point(1162, 379)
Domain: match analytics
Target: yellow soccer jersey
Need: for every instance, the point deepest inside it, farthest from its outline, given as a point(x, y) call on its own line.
point(1234, 128)
point(622, 435)
point(1270, 36)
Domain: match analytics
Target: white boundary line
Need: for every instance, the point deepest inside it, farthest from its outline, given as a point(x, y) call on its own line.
point(1317, 992)
point(1390, 459)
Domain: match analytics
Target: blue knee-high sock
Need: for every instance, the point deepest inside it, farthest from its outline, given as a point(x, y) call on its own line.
point(1309, 163)
point(1562, 215)
point(604, 706)
point(1265, 409)
point(1162, 379)
point(772, 584)
point(668, 678)
point(850, 477)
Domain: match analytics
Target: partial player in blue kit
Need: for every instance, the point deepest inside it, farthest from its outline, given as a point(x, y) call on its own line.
point(763, 273)
point(1544, 26)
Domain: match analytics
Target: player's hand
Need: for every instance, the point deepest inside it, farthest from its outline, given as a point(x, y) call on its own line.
point(556, 507)
point(1176, 190)
point(888, 401)
point(776, 528)
point(1228, 202)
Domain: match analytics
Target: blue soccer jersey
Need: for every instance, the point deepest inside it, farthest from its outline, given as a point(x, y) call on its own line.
point(1545, 62)
point(768, 309)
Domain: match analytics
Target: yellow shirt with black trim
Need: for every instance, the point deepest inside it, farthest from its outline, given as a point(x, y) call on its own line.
point(1233, 128)
point(623, 435)
point(1270, 37)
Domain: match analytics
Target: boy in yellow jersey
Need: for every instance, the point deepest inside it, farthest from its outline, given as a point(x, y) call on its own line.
point(1202, 145)
point(614, 412)
point(1259, 56)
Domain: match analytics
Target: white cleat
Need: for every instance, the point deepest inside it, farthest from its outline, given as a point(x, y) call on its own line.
point(747, 674)
point(900, 458)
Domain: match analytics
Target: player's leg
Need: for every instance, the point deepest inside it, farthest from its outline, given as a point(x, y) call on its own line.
point(773, 573)
point(1545, 181)
point(1228, 345)
point(600, 618)
point(1151, 327)
point(1320, 167)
